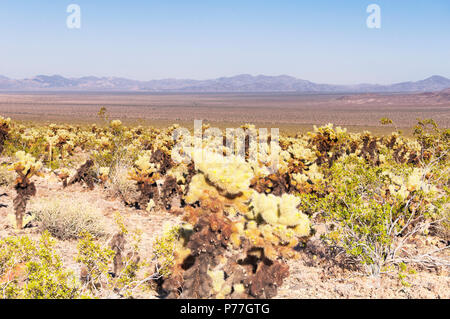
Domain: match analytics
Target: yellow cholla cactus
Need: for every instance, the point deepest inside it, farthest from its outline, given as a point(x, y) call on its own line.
point(12, 220)
point(179, 172)
point(104, 172)
point(264, 205)
point(143, 162)
point(314, 174)
point(5, 126)
point(218, 279)
point(143, 167)
point(115, 124)
point(414, 180)
point(151, 205)
point(280, 211)
point(26, 164)
point(198, 189)
point(230, 174)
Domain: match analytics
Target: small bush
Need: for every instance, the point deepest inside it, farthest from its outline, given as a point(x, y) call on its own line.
point(32, 270)
point(96, 259)
point(67, 217)
point(7, 177)
point(122, 186)
point(47, 278)
point(442, 228)
point(164, 250)
point(372, 215)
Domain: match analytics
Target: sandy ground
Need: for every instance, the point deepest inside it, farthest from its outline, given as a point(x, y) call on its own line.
point(313, 276)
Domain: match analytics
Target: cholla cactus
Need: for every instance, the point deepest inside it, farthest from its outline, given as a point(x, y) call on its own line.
point(51, 141)
point(146, 174)
point(275, 223)
point(144, 170)
point(4, 131)
point(218, 267)
point(224, 179)
point(103, 173)
point(116, 127)
point(63, 174)
point(230, 174)
point(115, 124)
point(279, 210)
point(25, 167)
point(200, 190)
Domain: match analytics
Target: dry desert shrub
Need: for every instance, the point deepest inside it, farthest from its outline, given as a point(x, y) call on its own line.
point(442, 227)
point(120, 185)
point(67, 217)
point(7, 177)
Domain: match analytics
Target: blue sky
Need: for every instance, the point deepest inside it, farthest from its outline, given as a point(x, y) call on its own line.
point(323, 41)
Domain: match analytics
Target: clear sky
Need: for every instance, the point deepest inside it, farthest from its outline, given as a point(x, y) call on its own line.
point(322, 40)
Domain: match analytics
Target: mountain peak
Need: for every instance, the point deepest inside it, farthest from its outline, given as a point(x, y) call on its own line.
point(437, 78)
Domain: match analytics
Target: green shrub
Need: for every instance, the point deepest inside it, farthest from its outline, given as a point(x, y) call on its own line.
point(96, 260)
point(164, 250)
point(374, 209)
point(47, 279)
point(122, 252)
point(30, 270)
point(14, 253)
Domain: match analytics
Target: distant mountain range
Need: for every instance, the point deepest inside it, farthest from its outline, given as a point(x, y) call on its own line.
point(238, 83)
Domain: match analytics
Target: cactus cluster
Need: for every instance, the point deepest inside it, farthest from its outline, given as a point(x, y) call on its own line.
point(26, 167)
point(242, 218)
point(212, 266)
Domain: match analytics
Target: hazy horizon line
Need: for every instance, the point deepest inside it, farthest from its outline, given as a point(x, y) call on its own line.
point(219, 77)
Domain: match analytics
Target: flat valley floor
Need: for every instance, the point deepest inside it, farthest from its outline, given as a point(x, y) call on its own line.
point(292, 113)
